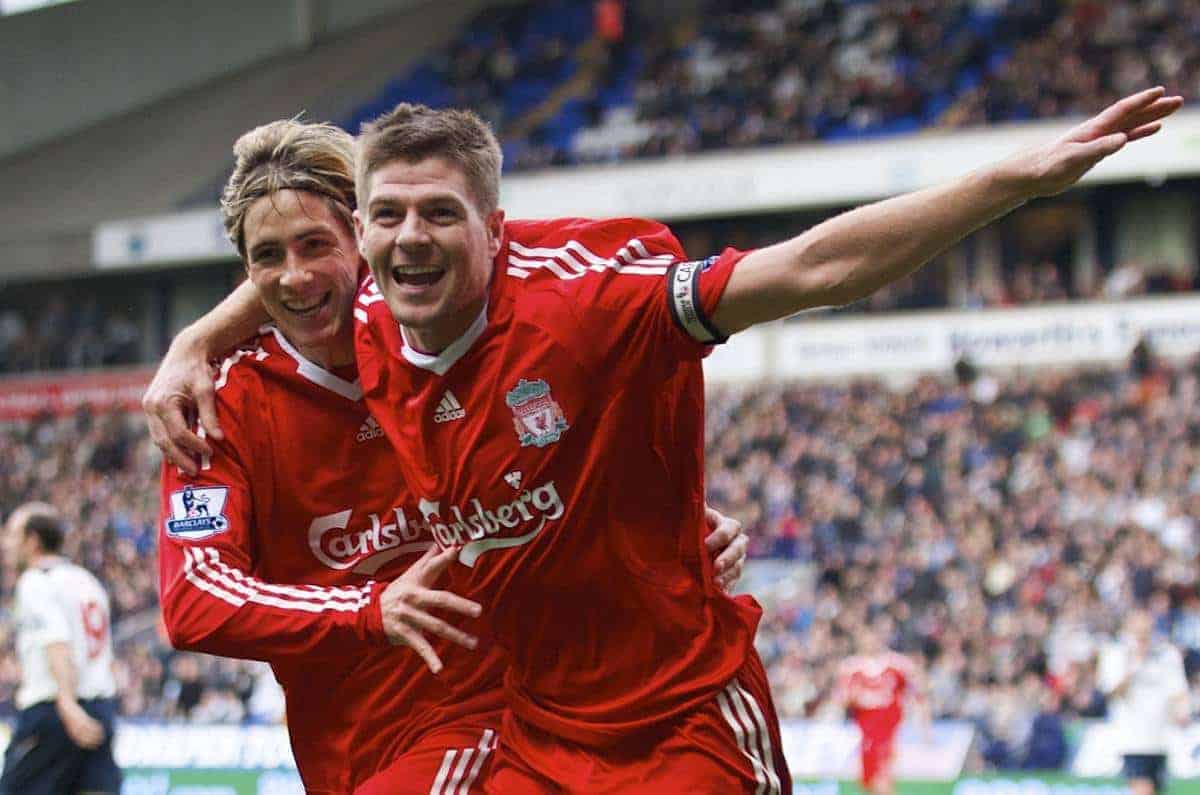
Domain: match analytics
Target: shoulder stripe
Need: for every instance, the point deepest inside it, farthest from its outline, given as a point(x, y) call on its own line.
point(683, 290)
point(223, 375)
point(573, 259)
point(360, 315)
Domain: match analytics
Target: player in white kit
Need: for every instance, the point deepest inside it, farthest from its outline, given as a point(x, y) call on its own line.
point(63, 739)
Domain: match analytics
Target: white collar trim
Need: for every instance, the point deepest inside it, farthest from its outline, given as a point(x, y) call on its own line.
point(442, 362)
point(351, 390)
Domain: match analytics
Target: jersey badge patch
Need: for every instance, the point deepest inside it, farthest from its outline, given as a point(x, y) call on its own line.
point(198, 512)
point(537, 417)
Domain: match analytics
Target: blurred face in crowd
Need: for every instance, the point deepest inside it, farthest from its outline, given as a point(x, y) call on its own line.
point(301, 257)
point(1140, 628)
point(429, 246)
point(871, 641)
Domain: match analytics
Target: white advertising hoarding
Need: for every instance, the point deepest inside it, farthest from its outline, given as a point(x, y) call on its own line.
point(882, 345)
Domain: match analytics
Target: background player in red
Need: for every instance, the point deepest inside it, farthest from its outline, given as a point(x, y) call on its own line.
point(270, 508)
point(873, 686)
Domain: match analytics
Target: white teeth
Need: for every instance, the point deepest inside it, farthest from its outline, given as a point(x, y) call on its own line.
point(415, 270)
point(303, 309)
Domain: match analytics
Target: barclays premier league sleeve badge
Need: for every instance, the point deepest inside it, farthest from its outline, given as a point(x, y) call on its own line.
point(537, 417)
point(198, 512)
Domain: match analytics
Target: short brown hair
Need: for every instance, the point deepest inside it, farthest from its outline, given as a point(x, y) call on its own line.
point(416, 132)
point(42, 520)
point(288, 155)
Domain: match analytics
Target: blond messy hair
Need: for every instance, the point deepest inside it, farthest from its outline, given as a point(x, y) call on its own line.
point(413, 133)
point(288, 155)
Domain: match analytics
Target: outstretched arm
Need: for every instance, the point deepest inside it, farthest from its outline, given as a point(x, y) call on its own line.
point(851, 256)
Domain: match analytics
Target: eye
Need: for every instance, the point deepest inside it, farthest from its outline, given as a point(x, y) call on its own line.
point(265, 256)
point(383, 213)
point(444, 214)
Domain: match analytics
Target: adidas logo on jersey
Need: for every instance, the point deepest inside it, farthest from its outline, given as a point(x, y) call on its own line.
point(369, 430)
point(449, 409)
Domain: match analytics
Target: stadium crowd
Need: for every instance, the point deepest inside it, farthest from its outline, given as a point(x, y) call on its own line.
point(740, 74)
point(998, 528)
point(59, 334)
point(998, 525)
point(716, 74)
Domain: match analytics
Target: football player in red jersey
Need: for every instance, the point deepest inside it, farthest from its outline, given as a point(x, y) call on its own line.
point(543, 391)
point(873, 687)
point(281, 544)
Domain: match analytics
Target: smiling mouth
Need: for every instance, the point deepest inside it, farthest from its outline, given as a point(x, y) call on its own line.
point(417, 275)
point(309, 309)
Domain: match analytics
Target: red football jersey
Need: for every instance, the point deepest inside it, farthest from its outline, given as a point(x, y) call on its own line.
point(561, 441)
point(278, 551)
point(874, 690)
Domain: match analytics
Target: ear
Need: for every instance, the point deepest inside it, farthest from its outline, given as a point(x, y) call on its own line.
point(359, 233)
point(495, 227)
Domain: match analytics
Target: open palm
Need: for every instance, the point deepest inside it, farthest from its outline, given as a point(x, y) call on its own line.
point(1059, 165)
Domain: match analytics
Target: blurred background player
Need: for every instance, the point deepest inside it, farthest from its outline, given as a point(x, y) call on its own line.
point(1143, 677)
point(62, 743)
point(873, 687)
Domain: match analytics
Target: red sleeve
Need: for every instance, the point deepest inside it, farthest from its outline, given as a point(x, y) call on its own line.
point(212, 601)
point(633, 293)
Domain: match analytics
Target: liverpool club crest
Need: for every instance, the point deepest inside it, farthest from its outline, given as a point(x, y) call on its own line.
point(537, 417)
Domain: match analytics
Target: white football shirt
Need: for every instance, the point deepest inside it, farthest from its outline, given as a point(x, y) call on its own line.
point(1141, 716)
point(59, 601)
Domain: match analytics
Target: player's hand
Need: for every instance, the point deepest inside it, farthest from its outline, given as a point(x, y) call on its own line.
point(1053, 168)
point(183, 383)
point(729, 543)
point(407, 600)
point(84, 730)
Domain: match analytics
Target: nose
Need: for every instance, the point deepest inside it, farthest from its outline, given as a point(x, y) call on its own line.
point(295, 272)
point(412, 232)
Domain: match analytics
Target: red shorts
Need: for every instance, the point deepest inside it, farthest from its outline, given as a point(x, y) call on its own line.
point(876, 751)
point(454, 759)
point(728, 745)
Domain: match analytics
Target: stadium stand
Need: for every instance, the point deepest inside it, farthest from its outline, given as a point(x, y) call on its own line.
point(739, 74)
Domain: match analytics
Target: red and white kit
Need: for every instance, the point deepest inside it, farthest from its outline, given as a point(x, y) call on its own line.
point(278, 551)
point(874, 689)
point(560, 441)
